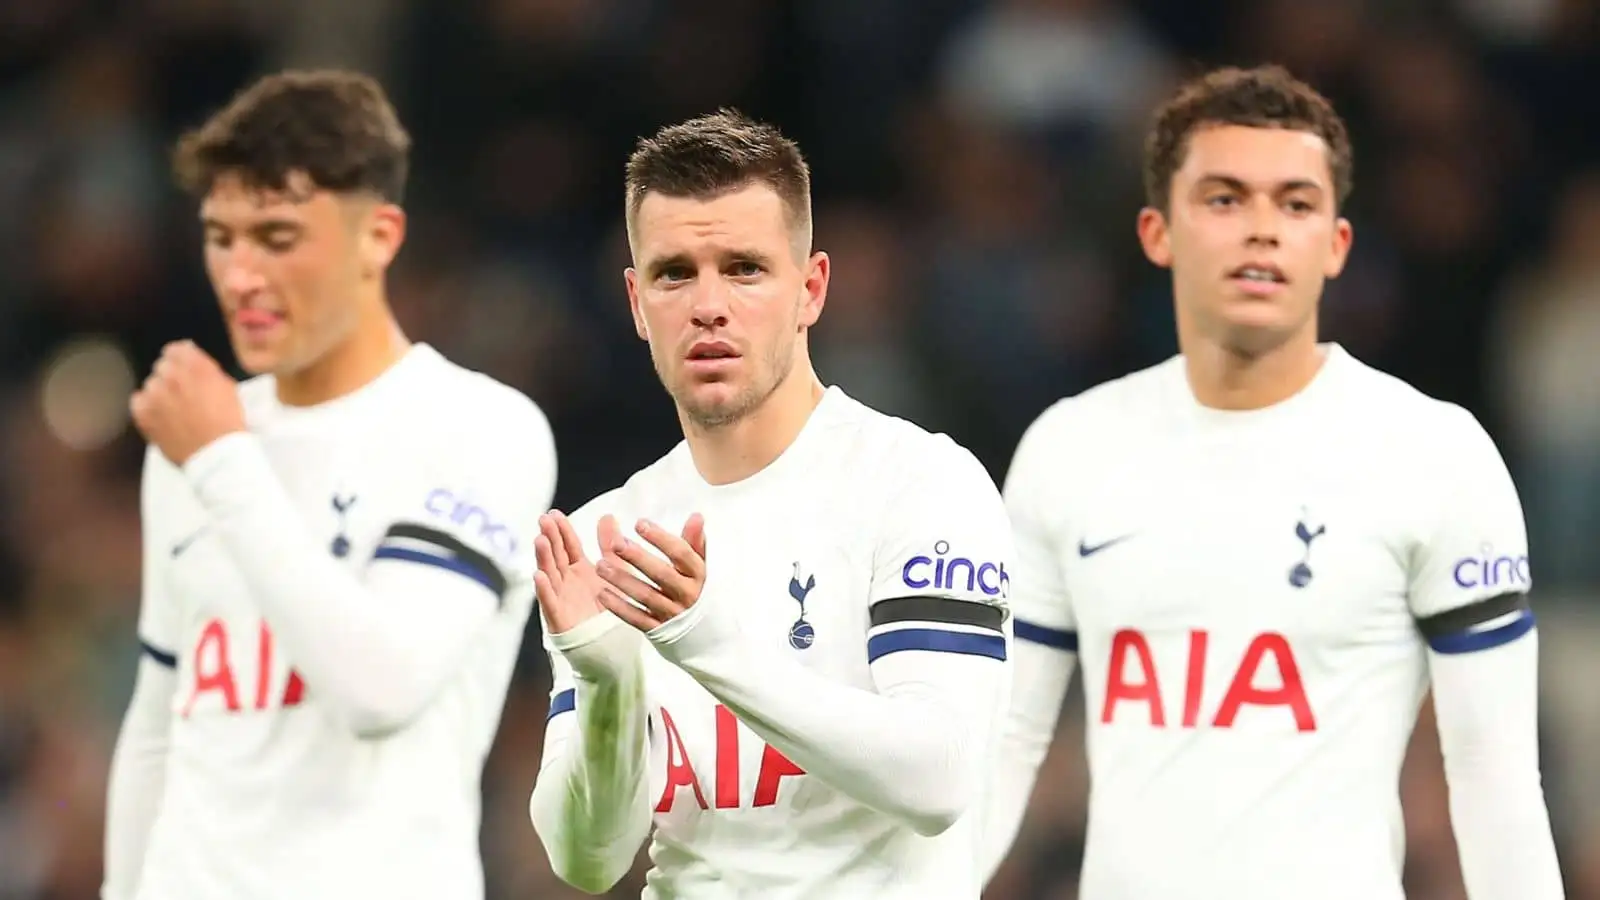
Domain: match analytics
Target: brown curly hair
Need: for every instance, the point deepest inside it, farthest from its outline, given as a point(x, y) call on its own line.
point(1262, 97)
point(336, 127)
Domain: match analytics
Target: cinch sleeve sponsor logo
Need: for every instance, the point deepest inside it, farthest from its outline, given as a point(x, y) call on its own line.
point(944, 572)
point(1489, 570)
point(472, 520)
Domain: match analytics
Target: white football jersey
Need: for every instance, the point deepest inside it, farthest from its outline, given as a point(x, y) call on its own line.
point(840, 555)
point(269, 793)
point(1252, 596)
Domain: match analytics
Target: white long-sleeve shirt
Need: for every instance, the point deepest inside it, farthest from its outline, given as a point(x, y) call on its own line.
point(819, 723)
point(333, 604)
point(1259, 601)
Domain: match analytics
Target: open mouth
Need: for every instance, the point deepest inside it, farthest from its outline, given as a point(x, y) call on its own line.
point(1258, 279)
point(1259, 273)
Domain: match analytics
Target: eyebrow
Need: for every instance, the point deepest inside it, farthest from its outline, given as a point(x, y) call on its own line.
point(1238, 184)
point(661, 264)
point(656, 267)
point(264, 225)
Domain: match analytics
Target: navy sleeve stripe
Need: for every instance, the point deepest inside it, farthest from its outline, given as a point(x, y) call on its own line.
point(564, 702)
point(1466, 618)
point(157, 654)
point(430, 546)
point(1058, 638)
point(936, 641)
point(1487, 639)
point(491, 579)
point(937, 610)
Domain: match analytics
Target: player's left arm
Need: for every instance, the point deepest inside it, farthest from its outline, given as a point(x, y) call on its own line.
point(378, 645)
point(1469, 593)
point(916, 747)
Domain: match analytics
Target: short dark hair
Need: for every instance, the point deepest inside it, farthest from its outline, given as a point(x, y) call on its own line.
point(708, 156)
point(1262, 97)
point(335, 126)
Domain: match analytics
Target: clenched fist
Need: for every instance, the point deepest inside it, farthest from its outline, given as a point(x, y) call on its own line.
point(186, 403)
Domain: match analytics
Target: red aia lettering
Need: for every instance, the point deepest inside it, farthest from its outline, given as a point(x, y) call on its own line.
point(1144, 685)
point(213, 671)
point(680, 771)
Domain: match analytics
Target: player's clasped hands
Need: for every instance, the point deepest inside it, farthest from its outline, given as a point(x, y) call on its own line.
point(572, 590)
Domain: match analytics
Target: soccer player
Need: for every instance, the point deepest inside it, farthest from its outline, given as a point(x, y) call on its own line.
point(784, 641)
point(1264, 551)
point(338, 552)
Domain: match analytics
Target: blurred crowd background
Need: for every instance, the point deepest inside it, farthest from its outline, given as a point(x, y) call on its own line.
point(976, 182)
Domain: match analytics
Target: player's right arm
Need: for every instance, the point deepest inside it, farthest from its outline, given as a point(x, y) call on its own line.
point(917, 746)
point(590, 803)
point(139, 762)
point(1045, 645)
point(378, 646)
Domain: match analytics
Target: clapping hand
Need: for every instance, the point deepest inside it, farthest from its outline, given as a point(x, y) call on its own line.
point(568, 588)
point(668, 586)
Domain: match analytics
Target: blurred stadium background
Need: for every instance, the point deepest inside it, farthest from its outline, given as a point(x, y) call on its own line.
point(976, 181)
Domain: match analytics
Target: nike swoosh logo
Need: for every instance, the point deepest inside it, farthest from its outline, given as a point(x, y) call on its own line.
point(179, 547)
point(1086, 550)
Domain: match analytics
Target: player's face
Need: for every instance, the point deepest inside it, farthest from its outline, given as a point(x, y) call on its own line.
point(724, 292)
point(1251, 235)
point(288, 267)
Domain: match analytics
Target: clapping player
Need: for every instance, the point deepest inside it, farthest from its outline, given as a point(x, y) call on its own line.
point(783, 644)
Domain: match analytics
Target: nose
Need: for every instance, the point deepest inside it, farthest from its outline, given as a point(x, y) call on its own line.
point(1264, 223)
point(239, 278)
point(709, 304)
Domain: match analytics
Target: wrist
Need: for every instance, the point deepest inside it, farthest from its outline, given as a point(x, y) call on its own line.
point(226, 468)
point(690, 635)
point(598, 648)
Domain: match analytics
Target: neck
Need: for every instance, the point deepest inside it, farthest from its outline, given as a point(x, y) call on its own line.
point(734, 452)
point(376, 344)
point(1224, 378)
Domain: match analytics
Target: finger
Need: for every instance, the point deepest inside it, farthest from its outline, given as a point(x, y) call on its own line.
point(627, 612)
point(647, 595)
point(200, 357)
point(139, 409)
point(663, 574)
point(545, 554)
point(173, 356)
point(569, 539)
point(694, 534)
point(550, 533)
point(609, 534)
point(546, 592)
point(676, 549)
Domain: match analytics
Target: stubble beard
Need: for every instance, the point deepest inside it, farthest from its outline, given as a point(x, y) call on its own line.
point(778, 362)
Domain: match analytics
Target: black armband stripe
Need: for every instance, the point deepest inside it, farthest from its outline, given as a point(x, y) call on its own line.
point(1484, 625)
point(1466, 618)
point(422, 544)
point(937, 610)
point(160, 656)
